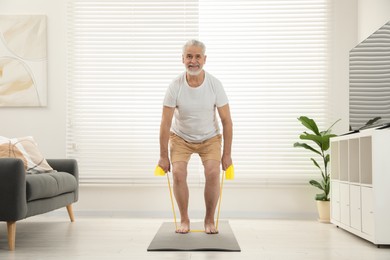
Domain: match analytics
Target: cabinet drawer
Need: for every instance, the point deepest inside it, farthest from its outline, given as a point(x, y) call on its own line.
point(355, 206)
point(344, 204)
point(367, 211)
point(335, 200)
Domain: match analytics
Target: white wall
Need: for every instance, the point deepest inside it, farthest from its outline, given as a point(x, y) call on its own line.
point(372, 15)
point(48, 125)
point(344, 30)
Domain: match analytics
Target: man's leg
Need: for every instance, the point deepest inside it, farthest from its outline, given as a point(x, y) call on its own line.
point(211, 193)
point(180, 189)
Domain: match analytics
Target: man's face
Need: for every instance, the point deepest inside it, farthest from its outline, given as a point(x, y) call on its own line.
point(193, 60)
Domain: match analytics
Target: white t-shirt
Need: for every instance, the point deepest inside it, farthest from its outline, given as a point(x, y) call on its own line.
point(195, 114)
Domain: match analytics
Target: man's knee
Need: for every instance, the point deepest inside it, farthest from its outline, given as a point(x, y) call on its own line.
point(179, 175)
point(212, 173)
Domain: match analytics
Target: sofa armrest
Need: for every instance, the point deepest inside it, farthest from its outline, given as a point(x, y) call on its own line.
point(13, 203)
point(66, 165)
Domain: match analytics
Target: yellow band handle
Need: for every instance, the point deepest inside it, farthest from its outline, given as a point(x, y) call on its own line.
point(230, 173)
point(159, 171)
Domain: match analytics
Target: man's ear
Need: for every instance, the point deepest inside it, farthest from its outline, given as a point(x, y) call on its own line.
point(205, 57)
point(182, 58)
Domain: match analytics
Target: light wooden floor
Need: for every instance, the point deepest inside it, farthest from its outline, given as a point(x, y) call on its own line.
point(55, 237)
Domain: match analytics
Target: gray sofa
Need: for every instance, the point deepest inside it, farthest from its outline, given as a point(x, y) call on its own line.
point(23, 195)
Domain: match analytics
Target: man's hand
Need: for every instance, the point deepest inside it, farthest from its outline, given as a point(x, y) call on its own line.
point(226, 161)
point(165, 164)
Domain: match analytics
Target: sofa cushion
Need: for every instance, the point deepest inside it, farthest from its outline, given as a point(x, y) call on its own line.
point(24, 148)
point(39, 186)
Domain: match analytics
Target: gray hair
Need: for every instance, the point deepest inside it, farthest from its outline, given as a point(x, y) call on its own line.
point(194, 42)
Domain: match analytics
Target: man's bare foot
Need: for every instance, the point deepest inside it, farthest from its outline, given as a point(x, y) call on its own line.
point(184, 227)
point(210, 228)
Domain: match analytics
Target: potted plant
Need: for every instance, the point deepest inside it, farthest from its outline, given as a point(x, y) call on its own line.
point(321, 141)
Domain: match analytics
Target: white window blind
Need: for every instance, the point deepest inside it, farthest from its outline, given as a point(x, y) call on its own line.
point(271, 56)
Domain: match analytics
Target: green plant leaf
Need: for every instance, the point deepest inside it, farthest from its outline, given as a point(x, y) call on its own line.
point(315, 138)
point(309, 124)
point(372, 121)
point(327, 189)
point(322, 196)
point(316, 184)
point(316, 163)
point(326, 160)
point(326, 142)
point(306, 146)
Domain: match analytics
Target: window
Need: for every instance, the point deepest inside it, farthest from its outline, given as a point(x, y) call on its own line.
point(271, 56)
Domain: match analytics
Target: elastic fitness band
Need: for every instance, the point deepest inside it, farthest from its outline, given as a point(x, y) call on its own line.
point(229, 175)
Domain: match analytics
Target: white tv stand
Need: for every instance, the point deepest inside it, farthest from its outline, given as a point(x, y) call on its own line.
point(360, 184)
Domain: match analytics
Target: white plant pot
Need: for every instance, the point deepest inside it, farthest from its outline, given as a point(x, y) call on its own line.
point(323, 208)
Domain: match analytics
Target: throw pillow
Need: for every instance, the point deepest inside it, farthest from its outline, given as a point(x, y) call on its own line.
point(26, 149)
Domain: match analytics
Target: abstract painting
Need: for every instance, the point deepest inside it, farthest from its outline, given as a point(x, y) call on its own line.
point(23, 61)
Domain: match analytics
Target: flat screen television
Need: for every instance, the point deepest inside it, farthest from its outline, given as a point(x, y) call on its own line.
point(369, 80)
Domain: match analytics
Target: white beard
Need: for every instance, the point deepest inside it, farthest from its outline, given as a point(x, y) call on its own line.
point(194, 72)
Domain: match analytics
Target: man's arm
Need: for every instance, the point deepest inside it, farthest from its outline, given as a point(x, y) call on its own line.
point(166, 121)
point(227, 124)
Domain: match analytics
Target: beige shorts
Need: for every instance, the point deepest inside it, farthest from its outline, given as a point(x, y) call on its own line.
point(181, 150)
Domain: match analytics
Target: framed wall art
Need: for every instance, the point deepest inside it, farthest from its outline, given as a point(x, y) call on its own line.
point(23, 61)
